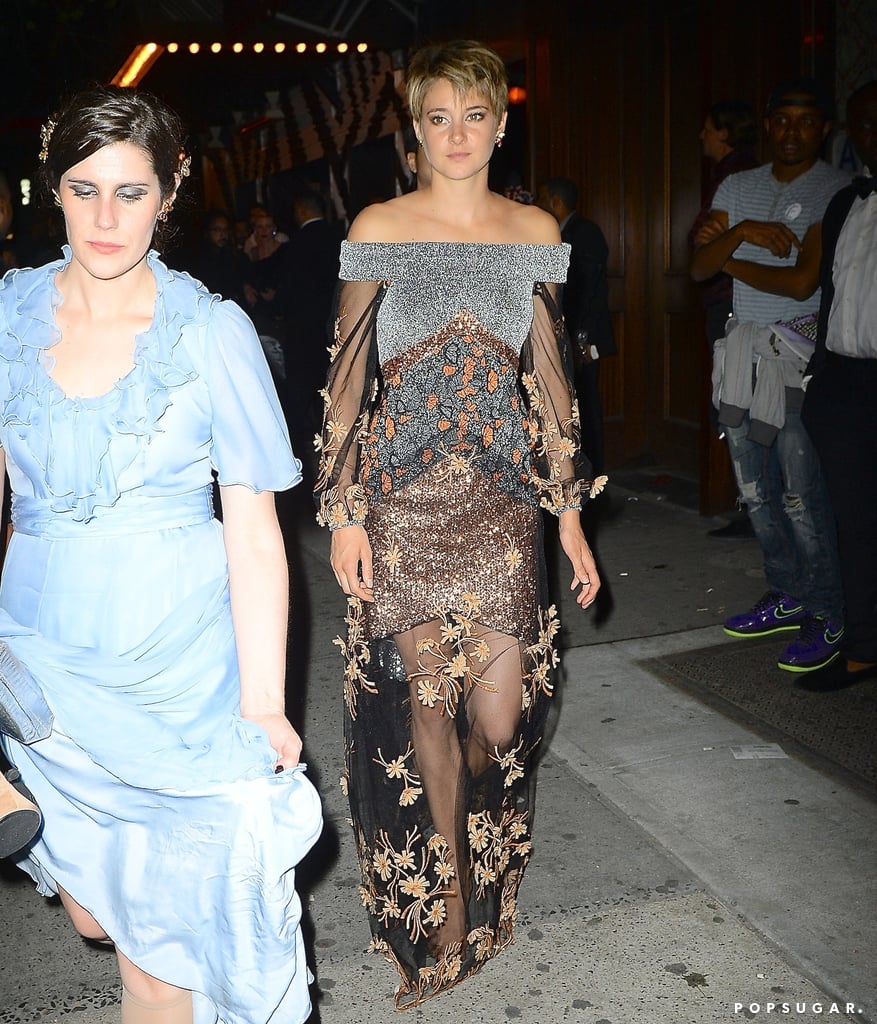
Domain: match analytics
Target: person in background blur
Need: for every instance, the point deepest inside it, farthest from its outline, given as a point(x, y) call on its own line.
point(585, 307)
point(728, 136)
point(216, 262)
point(306, 285)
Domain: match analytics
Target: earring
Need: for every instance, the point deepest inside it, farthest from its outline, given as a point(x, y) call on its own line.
point(58, 202)
point(498, 140)
point(164, 211)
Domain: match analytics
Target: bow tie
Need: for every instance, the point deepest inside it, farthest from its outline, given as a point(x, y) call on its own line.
point(864, 186)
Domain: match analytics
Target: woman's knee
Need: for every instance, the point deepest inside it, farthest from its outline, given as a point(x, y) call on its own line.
point(83, 922)
point(495, 737)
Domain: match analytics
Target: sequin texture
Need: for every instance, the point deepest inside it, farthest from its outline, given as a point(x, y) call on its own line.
point(450, 423)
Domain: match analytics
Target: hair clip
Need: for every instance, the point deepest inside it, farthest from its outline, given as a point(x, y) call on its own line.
point(45, 136)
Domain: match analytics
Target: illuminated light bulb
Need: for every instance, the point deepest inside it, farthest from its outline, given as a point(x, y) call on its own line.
point(215, 47)
point(517, 95)
point(279, 47)
point(173, 47)
point(342, 47)
point(238, 47)
point(258, 47)
point(361, 47)
point(301, 47)
point(320, 47)
point(194, 47)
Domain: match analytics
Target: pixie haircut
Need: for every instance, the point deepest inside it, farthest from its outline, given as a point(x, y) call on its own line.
point(467, 65)
point(108, 114)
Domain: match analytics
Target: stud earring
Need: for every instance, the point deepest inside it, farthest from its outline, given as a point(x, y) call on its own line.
point(498, 140)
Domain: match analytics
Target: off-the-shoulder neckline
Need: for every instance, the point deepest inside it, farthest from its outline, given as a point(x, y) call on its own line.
point(482, 245)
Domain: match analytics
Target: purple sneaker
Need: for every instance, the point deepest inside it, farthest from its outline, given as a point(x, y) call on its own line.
point(816, 646)
point(772, 614)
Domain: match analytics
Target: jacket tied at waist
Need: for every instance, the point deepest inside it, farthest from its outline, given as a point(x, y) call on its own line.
point(760, 369)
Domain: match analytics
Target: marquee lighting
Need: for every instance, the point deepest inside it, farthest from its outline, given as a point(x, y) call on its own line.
point(278, 47)
point(134, 69)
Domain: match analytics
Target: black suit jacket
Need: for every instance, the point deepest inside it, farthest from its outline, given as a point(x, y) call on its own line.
point(307, 286)
point(586, 293)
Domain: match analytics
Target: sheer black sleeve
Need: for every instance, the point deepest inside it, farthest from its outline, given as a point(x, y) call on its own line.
point(562, 475)
point(349, 397)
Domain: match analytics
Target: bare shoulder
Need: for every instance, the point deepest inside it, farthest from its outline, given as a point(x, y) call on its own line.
point(381, 222)
point(531, 225)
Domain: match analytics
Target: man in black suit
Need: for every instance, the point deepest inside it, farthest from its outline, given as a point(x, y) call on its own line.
point(585, 307)
point(840, 404)
point(308, 279)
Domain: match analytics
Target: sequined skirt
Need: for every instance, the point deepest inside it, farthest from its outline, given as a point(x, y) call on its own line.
point(451, 540)
point(458, 567)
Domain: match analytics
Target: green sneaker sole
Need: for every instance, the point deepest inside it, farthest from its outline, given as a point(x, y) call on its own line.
point(763, 632)
point(808, 668)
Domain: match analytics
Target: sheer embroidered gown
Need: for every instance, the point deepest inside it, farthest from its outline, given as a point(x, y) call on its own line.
point(450, 424)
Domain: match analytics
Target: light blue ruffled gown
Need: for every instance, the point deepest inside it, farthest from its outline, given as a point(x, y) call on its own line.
point(163, 816)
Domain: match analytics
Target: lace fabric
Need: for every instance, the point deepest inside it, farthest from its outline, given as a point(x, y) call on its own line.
point(518, 416)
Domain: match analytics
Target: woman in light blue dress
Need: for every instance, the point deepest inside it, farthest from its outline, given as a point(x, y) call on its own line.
point(450, 424)
point(175, 807)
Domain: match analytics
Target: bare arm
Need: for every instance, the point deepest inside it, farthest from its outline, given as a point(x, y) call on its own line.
point(259, 587)
point(716, 243)
point(798, 282)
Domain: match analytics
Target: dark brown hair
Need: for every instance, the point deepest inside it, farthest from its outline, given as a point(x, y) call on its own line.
point(108, 114)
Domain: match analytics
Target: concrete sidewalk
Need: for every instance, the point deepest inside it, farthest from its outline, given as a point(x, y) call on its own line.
point(671, 882)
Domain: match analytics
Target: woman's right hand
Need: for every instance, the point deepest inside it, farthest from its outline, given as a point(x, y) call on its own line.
point(351, 560)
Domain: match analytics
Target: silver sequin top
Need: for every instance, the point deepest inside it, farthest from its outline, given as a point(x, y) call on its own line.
point(432, 281)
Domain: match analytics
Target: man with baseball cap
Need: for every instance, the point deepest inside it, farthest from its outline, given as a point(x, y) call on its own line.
point(764, 230)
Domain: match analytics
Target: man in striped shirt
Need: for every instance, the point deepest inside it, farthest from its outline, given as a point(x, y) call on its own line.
point(764, 230)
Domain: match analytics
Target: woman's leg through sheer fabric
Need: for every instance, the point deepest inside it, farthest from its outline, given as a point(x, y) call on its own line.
point(465, 698)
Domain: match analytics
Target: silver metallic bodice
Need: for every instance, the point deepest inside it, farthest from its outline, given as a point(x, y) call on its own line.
point(433, 281)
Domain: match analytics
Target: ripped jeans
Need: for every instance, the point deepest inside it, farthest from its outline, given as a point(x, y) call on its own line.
point(788, 505)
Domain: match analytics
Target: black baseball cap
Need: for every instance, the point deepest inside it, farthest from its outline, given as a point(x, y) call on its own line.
point(801, 92)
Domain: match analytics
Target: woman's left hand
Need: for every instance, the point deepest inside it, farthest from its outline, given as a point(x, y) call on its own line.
point(282, 737)
point(573, 542)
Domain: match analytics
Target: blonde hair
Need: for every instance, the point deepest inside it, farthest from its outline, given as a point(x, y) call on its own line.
point(468, 65)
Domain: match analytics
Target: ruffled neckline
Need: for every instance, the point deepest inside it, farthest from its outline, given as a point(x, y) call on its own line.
point(130, 410)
